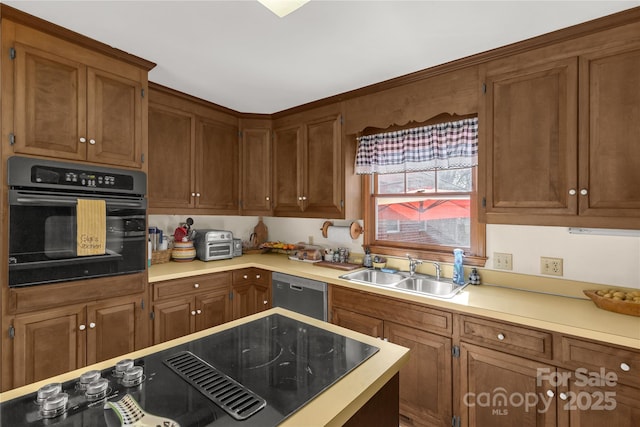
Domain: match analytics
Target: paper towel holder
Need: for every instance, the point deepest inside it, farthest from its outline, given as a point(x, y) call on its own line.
point(355, 229)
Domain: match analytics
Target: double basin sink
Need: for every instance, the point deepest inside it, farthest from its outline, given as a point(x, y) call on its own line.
point(418, 283)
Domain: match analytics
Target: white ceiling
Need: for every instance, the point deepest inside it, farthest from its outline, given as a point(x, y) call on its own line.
point(240, 55)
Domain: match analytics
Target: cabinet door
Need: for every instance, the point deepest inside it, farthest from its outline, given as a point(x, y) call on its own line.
point(48, 343)
point(498, 389)
point(114, 119)
point(256, 172)
point(263, 298)
point(217, 171)
point(173, 319)
point(357, 322)
point(425, 382)
point(49, 105)
point(212, 309)
point(609, 129)
point(287, 166)
point(323, 169)
point(171, 147)
point(531, 139)
point(601, 405)
point(111, 329)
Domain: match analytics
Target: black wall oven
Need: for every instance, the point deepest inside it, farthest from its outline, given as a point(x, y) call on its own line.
point(43, 219)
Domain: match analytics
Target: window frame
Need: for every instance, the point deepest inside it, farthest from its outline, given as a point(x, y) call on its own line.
point(474, 256)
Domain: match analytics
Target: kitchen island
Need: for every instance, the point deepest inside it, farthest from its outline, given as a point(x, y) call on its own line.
point(367, 393)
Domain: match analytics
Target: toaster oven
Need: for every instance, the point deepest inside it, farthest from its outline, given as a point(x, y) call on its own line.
point(214, 244)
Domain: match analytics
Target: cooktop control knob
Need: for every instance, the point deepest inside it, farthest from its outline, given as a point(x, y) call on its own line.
point(47, 391)
point(132, 376)
point(87, 378)
point(54, 406)
point(97, 389)
point(121, 367)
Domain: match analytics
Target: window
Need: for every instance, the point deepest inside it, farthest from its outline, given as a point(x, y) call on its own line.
point(425, 213)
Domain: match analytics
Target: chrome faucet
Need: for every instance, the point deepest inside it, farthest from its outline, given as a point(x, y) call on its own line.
point(413, 263)
point(437, 270)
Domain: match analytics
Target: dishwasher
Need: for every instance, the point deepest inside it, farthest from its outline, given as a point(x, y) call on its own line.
point(304, 296)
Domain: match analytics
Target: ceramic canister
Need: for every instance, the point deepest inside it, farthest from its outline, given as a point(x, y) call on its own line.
point(183, 251)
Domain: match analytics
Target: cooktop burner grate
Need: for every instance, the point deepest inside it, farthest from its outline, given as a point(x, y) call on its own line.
point(231, 396)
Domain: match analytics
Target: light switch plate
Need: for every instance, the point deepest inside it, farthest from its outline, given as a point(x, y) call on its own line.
point(502, 261)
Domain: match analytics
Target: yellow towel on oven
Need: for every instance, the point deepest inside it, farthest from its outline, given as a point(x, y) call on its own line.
point(91, 227)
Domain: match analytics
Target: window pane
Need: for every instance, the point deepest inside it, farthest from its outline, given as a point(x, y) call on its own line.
point(392, 183)
point(452, 180)
point(424, 220)
point(421, 182)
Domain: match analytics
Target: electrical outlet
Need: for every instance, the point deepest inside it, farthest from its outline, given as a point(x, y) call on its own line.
point(551, 266)
point(502, 261)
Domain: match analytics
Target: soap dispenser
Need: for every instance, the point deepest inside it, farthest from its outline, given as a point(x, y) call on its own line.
point(458, 269)
point(367, 258)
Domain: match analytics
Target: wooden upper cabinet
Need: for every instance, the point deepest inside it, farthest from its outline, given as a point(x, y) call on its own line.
point(530, 139)
point(217, 173)
point(308, 169)
point(194, 156)
point(171, 147)
point(256, 189)
point(287, 181)
point(67, 108)
point(610, 133)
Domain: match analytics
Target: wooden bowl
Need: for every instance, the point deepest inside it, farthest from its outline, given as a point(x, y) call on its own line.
point(617, 306)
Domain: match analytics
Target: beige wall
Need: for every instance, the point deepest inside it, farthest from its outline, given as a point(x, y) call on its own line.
point(607, 260)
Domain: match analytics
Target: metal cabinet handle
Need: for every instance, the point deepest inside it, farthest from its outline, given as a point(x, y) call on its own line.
point(300, 198)
point(625, 367)
point(563, 396)
point(267, 198)
point(304, 197)
point(257, 276)
point(83, 139)
point(572, 192)
point(92, 325)
point(92, 141)
point(193, 194)
point(199, 311)
point(584, 192)
point(501, 336)
point(550, 393)
point(197, 194)
point(196, 285)
point(193, 313)
point(245, 276)
point(265, 302)
point(82, 327)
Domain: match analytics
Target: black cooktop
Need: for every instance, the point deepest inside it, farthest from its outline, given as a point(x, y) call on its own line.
point(256, 374)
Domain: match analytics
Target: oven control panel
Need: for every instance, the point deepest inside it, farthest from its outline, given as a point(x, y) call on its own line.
point(79, 178)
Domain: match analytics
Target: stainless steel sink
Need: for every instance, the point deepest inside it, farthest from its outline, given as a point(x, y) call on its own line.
point(430, 286)
point(418, 283)
point(374, 277)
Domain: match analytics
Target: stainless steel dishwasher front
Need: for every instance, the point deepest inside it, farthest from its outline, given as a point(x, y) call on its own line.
point(304, 296)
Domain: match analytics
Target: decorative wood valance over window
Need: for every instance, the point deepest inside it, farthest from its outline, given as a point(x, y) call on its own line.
point(440, 146)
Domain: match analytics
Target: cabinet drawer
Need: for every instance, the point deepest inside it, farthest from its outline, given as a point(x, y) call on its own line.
point(414, 315)
point(251, 275)
point(507, 338)
point(190, 285)
point(625, 363)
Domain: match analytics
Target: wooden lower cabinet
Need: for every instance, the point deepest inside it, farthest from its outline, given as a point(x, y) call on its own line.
point(251, 291)
point(182, 316)
point(185, 306)
point(581, 405)
point(56, 341)
point(498, 389)
point(426, 381)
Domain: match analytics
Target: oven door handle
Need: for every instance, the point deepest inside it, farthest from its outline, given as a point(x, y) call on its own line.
point(33, 200)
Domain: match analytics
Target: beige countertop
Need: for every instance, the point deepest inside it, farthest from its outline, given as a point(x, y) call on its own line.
point(574, 315)
point(333, 407)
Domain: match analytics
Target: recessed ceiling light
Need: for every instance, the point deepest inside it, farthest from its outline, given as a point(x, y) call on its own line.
point(282, 7)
